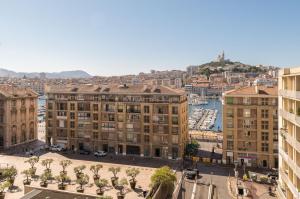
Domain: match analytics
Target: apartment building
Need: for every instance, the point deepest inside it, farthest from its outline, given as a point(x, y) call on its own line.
point(143, 120)
point(250, 126)
point(289, 139)
point(18, 116)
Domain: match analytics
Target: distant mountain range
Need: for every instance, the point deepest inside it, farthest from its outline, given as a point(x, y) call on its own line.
point(62, 74)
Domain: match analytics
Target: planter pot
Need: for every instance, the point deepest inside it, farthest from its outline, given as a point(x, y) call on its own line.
point(2, 195)
point(61, 187)
point(43, 184)
point(79, 190)
point(114, 181)
point(26, 182)
point(132, 184)
point(99, 192)
point(120, 195)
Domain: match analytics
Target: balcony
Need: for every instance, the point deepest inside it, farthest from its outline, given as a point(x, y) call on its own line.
point(290, 184)
point(289, 94)
point(292, 141)
point(291, 163)
point(290, 116)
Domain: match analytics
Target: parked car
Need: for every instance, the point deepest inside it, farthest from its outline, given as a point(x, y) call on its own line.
point(191, 174)
point(55, 148)
point(100, 153)
point(84, 152)
point(29, 153)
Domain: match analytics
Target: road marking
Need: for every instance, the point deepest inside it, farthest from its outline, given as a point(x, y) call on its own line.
point(194, 190)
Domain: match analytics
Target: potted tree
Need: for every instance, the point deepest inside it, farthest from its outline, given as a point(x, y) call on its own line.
point(10, 174)
point(122, 185)
point(132, 172)
point(3, 186)
point(47, 163)
point(115, 171)
point(101, 184)
point(79, 170)
point(44, 178)
point(27, 174)
point(32, 161)
point(62, 179)
point(82, 180)
point(64, 164)
point(95, 169)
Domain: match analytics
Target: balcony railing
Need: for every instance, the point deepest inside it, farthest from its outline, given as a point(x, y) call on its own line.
point(291, 186)
point(291, 162)
point(290, 116)
point(290, 94)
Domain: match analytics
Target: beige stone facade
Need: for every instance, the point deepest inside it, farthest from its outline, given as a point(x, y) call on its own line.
point(289, 139)
point(250, 129)
point(18, 117)
point(140, 120)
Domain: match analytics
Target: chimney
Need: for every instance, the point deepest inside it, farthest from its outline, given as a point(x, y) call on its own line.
point(256, 89)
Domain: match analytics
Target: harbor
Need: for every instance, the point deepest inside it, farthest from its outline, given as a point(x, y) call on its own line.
point(205, 116)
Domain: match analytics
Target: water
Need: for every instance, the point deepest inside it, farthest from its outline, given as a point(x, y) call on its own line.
point(212, 104)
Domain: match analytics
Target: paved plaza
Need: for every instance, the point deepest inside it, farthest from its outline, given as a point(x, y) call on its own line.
point(143, 179)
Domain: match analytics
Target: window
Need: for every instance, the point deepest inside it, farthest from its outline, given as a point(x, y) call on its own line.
point(72, 106)
point(229, 123)
point(264, 101)
point(95, 125)
point(146, 119)
point(247, 100)
point(264, 125)
point(72, 134)
point(95, 135)
point(146, 129)
point(247, 112)
point(175, 120)
point(229, 100)
point(229, 112)
point(95, 116)
point(175, 130)
point(120, 108)
point(95, 107)
point(146, 109)
point(50, 106)
point(72, 115)
point(175, 110)
point(50, 115)
point(264, 113)
point(265, 147)
point(72, 124)
point(265, 136)
point(229, 145)
point(147, 139)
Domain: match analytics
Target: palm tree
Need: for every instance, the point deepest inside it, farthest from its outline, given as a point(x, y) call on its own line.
point(95, 169)
point(64, 164)
point(101, 184)
point(32, 161)
point(115, 171)
point(82, 180)
point(47, 163)
point(132, 172)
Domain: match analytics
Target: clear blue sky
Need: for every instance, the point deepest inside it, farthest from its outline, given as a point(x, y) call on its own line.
point(129, 36)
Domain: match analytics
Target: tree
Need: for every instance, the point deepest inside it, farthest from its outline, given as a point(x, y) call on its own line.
point(192, 148)
point(79, 170)
point(45, 177)
point(10, 174)
point(122, 184)
point(101, 184)
point(62, 179)
point(115, 171)
point(64, 164)
point(132, 172)
point(95, 169)
point(27, 174)
point(47, 163)
point(165, 177)
point(82, 180)
point(32, 161)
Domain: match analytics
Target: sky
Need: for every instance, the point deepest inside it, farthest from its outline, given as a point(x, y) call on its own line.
point(116, 37)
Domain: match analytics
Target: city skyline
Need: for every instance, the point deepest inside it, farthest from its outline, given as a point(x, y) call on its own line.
point(113, 38)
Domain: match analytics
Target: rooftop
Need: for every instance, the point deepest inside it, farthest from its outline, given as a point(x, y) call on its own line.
point(114, 89)
point(12, 91)
point(254, 90)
